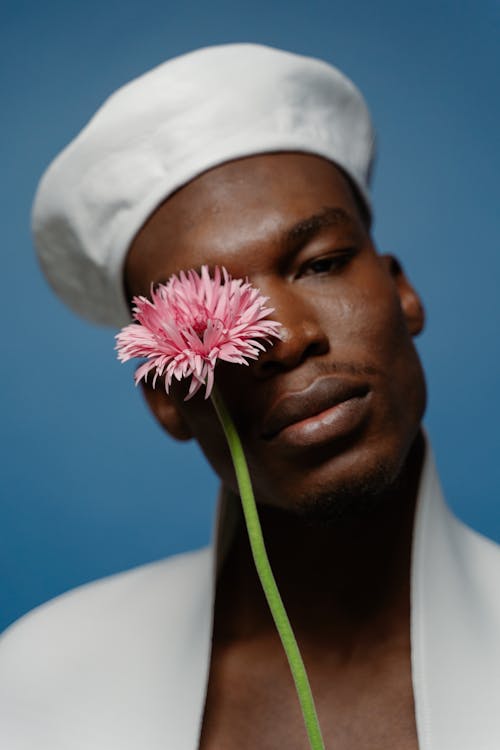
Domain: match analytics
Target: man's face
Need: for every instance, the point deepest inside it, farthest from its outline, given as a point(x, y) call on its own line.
point(332, 409)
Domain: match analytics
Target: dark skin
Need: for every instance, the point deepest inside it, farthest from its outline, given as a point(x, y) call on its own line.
point(336, 498)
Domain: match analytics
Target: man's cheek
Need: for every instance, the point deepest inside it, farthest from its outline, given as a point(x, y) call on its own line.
point(365, 328)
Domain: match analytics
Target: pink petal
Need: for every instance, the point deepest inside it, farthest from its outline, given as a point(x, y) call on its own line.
point(192, 321)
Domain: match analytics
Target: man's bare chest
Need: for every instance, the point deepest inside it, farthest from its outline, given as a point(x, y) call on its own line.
point(251, 704)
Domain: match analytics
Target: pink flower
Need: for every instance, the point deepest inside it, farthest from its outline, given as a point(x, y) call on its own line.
point(191, 322)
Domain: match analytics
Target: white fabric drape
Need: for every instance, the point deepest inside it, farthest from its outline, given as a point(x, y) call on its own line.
point(123, 663)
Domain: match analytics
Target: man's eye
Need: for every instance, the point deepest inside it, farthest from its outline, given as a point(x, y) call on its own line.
point(328, 264)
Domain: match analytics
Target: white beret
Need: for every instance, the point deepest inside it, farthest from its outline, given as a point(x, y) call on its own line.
point(168, 126)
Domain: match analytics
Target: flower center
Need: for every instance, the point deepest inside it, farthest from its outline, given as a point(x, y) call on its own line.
point(200, 320)
point(199, 324)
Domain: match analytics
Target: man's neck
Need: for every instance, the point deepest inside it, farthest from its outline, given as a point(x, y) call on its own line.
point(345, 584)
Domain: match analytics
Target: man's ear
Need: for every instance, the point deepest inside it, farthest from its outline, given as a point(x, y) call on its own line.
point(166, 411)
point(411, 303)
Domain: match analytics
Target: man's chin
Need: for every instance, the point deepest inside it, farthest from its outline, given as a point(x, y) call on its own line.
point(354, 498)
point(366, 492)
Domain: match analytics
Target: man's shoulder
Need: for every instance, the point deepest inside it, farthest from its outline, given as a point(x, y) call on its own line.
point(150, 589)
point(478, 556)
point(478, 548)
point(101, 647)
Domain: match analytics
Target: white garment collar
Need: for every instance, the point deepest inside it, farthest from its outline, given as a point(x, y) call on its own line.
point(455, 627)
point(124, 662)
point(455, 620)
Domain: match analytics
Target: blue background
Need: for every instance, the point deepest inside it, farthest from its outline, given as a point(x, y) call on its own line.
point(89, 484)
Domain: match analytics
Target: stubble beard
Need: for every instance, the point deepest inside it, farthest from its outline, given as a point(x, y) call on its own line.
point(356, 498)
point(366, 494)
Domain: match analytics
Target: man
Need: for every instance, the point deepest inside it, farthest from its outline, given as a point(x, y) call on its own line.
point(258, 161)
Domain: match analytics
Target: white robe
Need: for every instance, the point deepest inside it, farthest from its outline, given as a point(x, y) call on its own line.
point(122, 664)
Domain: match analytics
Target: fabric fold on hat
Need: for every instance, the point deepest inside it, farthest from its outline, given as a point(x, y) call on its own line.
point(167, 127)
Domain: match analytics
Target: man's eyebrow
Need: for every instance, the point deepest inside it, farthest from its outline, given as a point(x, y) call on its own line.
point(306, 228)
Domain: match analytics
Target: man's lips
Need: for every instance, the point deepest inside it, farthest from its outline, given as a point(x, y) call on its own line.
point(319, 397)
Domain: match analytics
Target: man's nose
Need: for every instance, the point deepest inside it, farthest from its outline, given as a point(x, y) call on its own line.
point(302, 334)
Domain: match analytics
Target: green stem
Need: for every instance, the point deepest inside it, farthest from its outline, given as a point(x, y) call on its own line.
point(266, 575)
